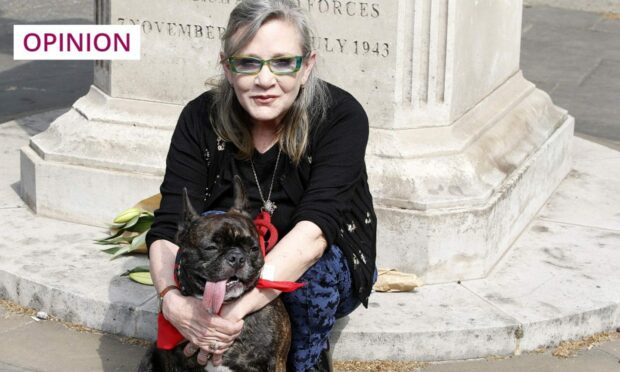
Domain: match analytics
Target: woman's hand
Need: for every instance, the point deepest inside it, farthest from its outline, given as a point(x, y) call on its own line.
point(233, 313)
point(201, 329)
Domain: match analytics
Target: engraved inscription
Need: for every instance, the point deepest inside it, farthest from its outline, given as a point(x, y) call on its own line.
point(342, 7)
point(355, 47)
point(344, 45)
point(350, 8)
point(210, 32)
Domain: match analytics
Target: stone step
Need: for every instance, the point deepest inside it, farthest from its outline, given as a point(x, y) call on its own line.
point(558, 281)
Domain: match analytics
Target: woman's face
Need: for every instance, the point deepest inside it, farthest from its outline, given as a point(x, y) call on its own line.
point(265, 96)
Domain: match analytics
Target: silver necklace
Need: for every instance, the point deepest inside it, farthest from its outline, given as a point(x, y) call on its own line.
point(268, 205)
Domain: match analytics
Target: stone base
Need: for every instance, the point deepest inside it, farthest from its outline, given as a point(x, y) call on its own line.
point(448, 213)
point(81, 194)
point(99, 158)
point(450, 245)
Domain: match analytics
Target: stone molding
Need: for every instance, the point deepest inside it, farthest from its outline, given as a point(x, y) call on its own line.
point(110, 133)
point(462, 165)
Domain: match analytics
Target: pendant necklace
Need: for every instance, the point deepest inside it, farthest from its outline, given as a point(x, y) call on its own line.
point(268, 205)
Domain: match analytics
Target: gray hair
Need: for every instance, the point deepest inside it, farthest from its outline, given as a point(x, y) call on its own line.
point(309, 108)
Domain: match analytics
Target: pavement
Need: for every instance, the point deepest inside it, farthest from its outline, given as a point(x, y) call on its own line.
point(558, 281)
point(27, 345)
point(30, 345)
point(575, 57)
point(28, 87)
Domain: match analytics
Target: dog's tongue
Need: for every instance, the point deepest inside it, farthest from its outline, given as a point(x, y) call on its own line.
point(213, 296)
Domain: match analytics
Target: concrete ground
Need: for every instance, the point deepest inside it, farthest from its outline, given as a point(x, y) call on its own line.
point(573, 55)
point(28, 345)
point(28, 87)
point(600, 6)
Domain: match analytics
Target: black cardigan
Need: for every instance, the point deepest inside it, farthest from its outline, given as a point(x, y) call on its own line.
point(329, 186)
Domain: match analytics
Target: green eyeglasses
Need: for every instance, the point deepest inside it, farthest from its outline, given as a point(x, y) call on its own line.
point(278, 66)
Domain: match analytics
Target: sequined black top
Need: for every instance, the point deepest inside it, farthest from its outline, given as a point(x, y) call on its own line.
point(329, 187)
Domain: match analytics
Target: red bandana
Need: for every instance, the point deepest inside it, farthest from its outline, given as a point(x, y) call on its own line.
point(168, 337)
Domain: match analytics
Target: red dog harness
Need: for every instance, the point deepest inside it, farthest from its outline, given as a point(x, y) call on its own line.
point(168, 337)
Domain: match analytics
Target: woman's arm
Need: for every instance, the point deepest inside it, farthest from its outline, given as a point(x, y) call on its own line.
point(162, 254)
point(294, 254)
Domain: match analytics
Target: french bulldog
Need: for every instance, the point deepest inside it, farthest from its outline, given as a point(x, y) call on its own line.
point(219, 260)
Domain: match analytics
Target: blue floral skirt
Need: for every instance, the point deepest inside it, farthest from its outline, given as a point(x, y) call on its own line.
point(314, 308)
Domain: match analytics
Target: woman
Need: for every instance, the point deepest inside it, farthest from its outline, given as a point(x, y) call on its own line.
point(298, 143)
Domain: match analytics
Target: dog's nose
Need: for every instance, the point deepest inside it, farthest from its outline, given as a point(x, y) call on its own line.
point(235, 259)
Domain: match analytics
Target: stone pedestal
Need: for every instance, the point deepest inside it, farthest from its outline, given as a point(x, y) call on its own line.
point(474, 149)
point(463, 150)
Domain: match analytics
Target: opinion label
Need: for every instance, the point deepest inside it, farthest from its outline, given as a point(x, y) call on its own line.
point(76, 42)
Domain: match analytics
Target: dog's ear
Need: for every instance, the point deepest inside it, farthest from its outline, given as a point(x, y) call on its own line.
point(188, 214)
point(240, 204)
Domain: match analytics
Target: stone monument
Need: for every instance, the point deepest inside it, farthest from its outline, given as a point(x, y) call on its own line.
point(463, 150)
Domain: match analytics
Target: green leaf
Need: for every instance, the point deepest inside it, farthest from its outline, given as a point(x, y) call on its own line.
point(114, 226)
point(141, 277)
point(138, 241)
point(132, 222)
point(118, 233)
point(111, 250)
point(121, 251)
point(142, 225)
point(108, 242)
point(103, 242)
point(118, 240)
point(137, 269)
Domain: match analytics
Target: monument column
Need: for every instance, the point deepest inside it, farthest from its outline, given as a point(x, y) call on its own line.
point(463, 150)
point(472, 149)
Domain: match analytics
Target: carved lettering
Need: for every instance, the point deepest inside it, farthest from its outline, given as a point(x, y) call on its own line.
point(364, 9)
point(176, 29)
point(349, 8)
point(323, 6)
point(328, 48)
point(147, 27)
point(221, 31)
point(352, 47)
point(185, 31)
point(210, 32)
point(342, 43)
point(375, 11)
point(170, 28)
point(337, 7)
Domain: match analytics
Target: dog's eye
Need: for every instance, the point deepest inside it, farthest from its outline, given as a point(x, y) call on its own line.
point(255, 248)
point(211, 248)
